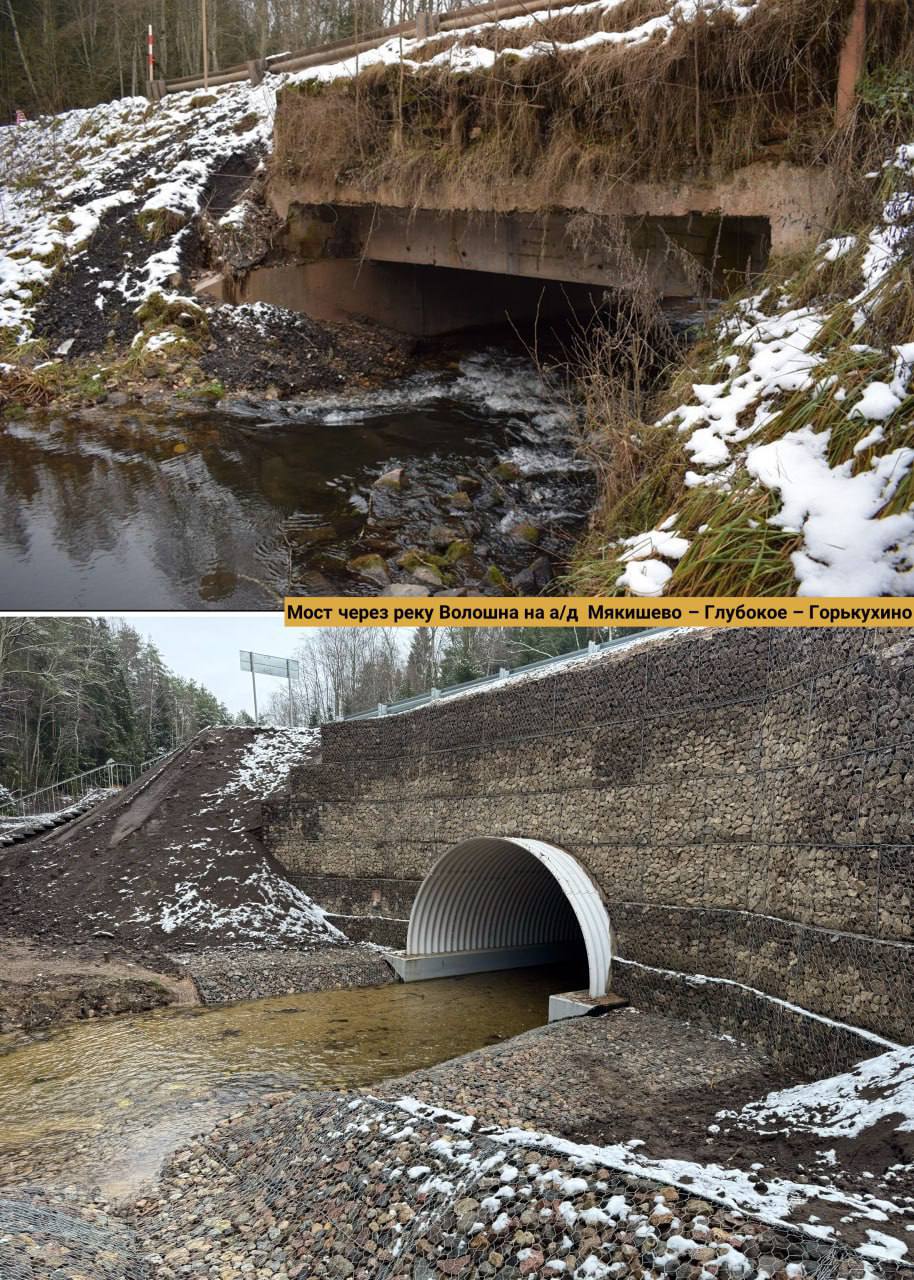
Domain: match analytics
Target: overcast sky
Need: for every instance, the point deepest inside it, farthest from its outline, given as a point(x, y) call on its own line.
point(205, 647)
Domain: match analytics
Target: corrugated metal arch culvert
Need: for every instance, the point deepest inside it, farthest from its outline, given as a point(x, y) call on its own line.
point(496, 891)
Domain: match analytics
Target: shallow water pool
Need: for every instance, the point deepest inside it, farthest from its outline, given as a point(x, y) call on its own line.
point(102, 1102)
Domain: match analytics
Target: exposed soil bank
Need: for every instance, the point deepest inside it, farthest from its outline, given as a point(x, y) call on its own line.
point(172, 861)
point(269, 353)
point(634, 1074)
point(42, 986)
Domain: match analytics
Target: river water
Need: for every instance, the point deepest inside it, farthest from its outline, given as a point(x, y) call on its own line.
point(101, 1103)
point(202, 507)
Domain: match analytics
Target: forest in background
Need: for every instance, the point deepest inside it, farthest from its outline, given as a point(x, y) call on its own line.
point(345, 670)
point(78, 692)
point(57, 54)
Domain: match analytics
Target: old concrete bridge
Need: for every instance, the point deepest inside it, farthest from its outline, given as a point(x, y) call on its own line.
point(720, 820)
point(436, 269)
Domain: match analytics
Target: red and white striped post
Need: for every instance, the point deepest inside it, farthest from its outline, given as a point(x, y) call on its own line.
point(150, 54)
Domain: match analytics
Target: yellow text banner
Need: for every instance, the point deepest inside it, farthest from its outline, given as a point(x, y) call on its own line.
point(596, 611)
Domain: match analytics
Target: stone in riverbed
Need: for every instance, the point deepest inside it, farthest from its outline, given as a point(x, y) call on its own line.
point(392, 479)
point(370, 566)
point(405, 589)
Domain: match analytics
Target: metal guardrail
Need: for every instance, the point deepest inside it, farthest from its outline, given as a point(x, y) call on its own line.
point(503, 673)
point(425, 25)
point(69, 791)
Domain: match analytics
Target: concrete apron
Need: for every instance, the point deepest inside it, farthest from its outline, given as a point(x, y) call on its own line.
point(450, 964)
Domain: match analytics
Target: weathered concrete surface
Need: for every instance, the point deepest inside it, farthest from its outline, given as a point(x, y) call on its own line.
point(346, 257)
point(411, 298)
point(742, 800)
point(794, 200)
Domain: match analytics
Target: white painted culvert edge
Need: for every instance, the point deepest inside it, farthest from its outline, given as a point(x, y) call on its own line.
point(494, 891)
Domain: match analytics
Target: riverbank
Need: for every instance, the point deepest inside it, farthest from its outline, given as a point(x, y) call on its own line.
point(42, 986)
point(188, 351)
point(45, 986)
point(316, 1183)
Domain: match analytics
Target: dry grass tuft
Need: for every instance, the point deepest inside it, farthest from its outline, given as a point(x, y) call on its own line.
point(716, 95)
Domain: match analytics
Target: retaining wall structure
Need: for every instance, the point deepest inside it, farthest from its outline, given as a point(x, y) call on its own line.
point(743, 800)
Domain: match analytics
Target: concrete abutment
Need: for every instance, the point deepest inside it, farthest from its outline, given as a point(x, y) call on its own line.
point(446, 267)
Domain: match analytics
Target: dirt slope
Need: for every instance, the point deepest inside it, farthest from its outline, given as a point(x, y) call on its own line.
point(173, 861)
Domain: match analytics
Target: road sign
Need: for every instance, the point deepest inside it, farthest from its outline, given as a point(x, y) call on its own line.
point(263, 664)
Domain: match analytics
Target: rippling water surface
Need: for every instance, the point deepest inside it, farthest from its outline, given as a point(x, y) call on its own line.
point(122, 509)
point(101, 1102)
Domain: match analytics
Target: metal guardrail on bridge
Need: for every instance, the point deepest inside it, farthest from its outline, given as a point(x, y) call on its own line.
point(425, 25)
point(503, 673)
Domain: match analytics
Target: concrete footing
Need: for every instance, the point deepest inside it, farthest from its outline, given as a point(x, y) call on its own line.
point(578, 1004)
point(450, 964)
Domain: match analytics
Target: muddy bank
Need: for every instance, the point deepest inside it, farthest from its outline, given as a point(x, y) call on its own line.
point(41, 987)
point(189, 350)
point(45, 986)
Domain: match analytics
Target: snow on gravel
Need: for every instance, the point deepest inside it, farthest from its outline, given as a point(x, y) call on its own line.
point(779, 1202)
point(125, 156)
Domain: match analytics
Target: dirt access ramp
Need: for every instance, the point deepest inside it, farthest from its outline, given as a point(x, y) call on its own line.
point(174, 861)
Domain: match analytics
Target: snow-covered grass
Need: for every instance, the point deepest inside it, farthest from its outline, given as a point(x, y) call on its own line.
point(789, 457)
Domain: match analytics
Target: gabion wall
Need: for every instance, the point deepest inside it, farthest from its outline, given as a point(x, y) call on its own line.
point(743, 799)
point(331, 1187)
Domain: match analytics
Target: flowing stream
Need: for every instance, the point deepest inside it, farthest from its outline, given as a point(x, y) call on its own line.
point(171, 508)
point(101, 1103)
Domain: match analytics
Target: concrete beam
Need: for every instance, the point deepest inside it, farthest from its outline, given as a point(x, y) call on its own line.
point(450, 964)
point(539, 247)
point(795, 200)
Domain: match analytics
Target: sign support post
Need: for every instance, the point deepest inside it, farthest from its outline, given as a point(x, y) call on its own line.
point(262, 664)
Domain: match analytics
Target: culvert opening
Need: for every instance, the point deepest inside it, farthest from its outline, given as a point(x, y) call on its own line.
point(495, 903)
point(427, 273)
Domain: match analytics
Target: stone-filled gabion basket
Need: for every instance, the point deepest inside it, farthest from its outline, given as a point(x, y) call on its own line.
point(335, 1187)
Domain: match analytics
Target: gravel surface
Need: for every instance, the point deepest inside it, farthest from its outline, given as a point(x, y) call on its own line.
point(628, 1074)
point(223, 975)
point(323, 1186)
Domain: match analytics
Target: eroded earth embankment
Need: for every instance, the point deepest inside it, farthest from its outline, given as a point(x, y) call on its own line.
point(114, 910)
